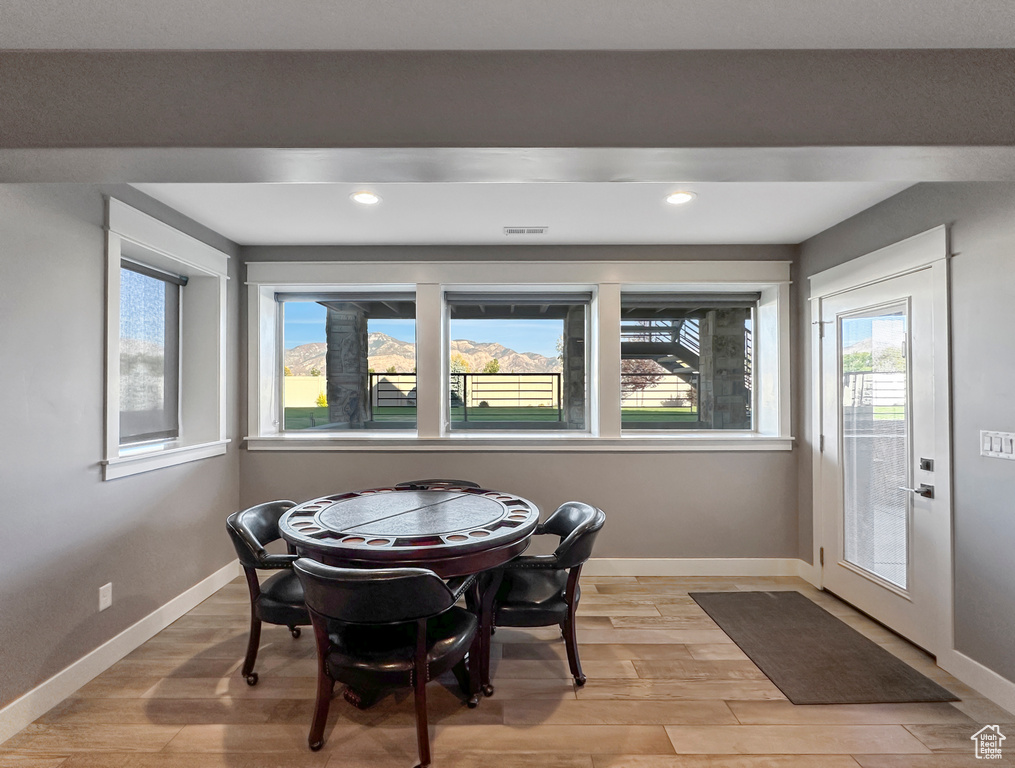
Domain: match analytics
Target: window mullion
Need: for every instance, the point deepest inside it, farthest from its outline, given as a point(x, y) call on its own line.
point(430, 360)
point(608, 363)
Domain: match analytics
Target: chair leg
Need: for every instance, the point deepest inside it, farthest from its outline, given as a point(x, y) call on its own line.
point(571, 643)
point(420, 675)
point(475, 672)
point(247, 671)
point(569, 626)
point(295, 632)
point(325, 688)
point(489, 592)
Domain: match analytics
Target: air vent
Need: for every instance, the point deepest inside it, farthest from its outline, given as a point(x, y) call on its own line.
point(525, 230)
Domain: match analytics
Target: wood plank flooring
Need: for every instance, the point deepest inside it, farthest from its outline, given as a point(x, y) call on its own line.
point(666, 689)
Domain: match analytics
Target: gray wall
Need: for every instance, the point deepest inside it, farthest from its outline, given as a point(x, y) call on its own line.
point(66, 532)
point(980, 218)
point(739, 504)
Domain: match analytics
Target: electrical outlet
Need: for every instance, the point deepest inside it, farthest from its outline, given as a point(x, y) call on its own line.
point(997, 445)
point(105, 596)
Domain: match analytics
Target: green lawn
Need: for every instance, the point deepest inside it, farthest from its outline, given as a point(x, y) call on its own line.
point(637, 415)
point(305, 418)
point(889, 412)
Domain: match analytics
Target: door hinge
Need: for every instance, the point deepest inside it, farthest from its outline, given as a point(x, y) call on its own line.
point(821, 444)
point(821, 555)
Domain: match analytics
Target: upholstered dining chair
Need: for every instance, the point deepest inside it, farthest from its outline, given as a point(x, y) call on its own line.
point(279, 600)
point(435, 484)
point(378, 628)
point(542, 590)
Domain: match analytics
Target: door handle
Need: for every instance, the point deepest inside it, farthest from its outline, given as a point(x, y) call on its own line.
point(926, 491)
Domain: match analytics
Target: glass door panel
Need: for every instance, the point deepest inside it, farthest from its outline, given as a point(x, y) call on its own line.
point(875, 416)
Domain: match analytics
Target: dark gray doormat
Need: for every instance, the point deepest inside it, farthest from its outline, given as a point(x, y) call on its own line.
point(810, 655)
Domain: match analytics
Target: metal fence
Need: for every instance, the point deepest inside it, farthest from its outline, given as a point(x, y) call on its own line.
point(474, 390)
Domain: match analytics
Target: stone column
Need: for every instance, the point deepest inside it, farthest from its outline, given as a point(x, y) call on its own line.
point(573, 378)
point(723, 398)
point(348, 375)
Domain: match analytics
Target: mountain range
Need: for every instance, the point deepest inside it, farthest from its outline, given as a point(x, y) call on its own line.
point(385, 351)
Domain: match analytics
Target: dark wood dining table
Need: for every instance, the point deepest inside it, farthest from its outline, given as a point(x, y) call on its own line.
point(453, 531)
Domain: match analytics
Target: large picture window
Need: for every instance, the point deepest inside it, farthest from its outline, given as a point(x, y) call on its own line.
point(348, 361)
point(517, 361)
point(687, 361)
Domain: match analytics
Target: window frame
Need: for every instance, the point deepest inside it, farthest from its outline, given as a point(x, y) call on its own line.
point(430, 280)
point(137, 237)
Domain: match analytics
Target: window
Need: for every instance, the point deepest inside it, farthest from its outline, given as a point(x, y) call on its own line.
point(522, 356)
point(149, 354)
point(165, 343)
point(348, 361)
point(687, 361)
point(517, 361)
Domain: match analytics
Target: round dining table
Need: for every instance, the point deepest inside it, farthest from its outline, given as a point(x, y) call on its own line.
point(453, 531)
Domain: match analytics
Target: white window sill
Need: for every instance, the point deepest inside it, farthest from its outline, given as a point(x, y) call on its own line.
point(549, 443)
point(146, 460)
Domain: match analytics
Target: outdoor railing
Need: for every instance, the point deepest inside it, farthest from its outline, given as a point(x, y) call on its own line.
point(470, 391)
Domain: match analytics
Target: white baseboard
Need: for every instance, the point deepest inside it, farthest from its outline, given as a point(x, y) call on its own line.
point(23, 711)
point(809, 573)
point(996, 688)
point(704, 566)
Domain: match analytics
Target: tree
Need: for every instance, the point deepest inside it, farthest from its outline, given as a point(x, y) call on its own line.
point(492, 366)
point(639, 375)
point(287, 371)
point(889, 359)
point(857, 361)
point(391, 369)
point(459, 364)
point(322, 401)
point(315, 371)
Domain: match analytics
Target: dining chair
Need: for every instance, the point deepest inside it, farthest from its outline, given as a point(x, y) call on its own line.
point(542, 590)
point(279, 600)
point(378, 628)
point(435, 484)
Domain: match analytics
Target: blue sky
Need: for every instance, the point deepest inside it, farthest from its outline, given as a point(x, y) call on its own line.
point(304, 324)
point(539, 336)
point(857, 329)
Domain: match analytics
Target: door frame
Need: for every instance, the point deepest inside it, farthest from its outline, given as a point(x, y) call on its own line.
point(928, 250)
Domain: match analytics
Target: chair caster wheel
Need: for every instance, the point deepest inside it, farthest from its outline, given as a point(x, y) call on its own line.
point(252, 678)
point(473, 701)
point(295, 632)
point(316, 745)
point(579, 681)
point(487, 690)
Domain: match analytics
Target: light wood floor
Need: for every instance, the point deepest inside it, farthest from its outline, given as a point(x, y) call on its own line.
point(666, 688)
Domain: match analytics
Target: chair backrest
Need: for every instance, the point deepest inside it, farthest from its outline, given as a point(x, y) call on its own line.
point(372, 595)
point(435, 484)
point(577, 524)
point(251, 529)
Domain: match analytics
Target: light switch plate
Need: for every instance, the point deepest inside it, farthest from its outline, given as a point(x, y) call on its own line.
point(997, 445)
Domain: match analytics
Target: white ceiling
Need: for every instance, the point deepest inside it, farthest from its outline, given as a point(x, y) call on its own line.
point(505, 25)
point(476, 213)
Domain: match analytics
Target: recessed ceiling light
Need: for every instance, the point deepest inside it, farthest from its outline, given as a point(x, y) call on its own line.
point(680, 198)
point(365, 198)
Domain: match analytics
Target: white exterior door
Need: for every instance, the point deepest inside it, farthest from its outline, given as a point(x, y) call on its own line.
point(882, 491)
